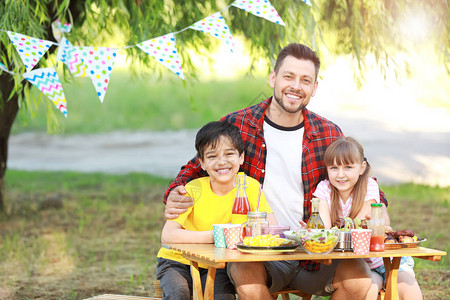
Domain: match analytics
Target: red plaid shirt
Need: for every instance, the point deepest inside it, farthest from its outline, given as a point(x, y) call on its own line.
point(318, 134)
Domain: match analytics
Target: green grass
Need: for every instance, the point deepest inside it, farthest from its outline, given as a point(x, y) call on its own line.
point(105, 237)
point(144, 104)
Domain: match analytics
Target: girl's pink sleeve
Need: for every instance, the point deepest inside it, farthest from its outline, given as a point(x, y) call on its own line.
point(373, 191)
point(322, 190)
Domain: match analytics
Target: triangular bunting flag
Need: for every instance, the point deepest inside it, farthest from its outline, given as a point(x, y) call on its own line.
point(47, 81)
point(164, 51)
point(215, 25)
point(68, 55)
point(261, 9)
point(30, 49)
point(59, 29)
point(307, 2)
point(99, 62)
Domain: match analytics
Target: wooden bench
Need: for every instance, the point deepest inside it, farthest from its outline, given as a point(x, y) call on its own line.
point(284, 293)
point(159, 293)
point(120, 297)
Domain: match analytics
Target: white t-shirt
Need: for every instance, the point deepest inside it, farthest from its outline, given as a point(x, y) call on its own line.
point(283, 185)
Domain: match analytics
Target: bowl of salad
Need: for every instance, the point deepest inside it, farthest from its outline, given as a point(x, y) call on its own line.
point(293, 234)
point(318, 241)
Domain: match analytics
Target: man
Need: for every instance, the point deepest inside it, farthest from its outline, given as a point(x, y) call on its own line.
point(284, 148)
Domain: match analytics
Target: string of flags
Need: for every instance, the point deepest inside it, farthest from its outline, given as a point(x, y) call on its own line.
point(97, 62)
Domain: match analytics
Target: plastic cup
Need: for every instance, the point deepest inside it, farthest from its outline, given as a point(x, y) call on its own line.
point(361, 241)
point(219, 235)
point(232, 233)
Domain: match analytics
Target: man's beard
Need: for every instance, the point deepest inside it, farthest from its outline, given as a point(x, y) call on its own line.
point(287, 109)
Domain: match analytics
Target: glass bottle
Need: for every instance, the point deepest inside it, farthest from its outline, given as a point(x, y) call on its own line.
point(257, 224)
point(315, 222)
point(241, 206)
point(376, 223)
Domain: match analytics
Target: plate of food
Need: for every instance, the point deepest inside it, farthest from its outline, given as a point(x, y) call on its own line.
point(401, 239)
point(267, 244)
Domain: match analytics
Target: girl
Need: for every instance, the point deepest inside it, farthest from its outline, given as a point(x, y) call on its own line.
point(348, 191)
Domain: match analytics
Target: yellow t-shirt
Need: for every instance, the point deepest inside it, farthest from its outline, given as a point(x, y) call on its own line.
point(211, 209)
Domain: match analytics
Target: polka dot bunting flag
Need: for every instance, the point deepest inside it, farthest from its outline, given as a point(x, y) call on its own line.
point(99, 63)
point(47, 81)
point(68, 55)
point(30, 49)
point(260, 8)
point(215, 25)
point(164, 51)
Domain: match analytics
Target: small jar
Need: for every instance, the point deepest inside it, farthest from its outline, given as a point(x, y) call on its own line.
point(257, 224)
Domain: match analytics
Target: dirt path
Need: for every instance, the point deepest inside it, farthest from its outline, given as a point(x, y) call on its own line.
point(396, 155)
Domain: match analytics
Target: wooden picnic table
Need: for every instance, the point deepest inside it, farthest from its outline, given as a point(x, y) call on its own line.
point(216, 258)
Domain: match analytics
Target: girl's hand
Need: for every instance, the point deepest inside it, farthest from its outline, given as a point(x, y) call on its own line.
point(302, 224)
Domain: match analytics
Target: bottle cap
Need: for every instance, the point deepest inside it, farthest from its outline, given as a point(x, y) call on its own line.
point(240, 180)
point(257, 214)
point(376, 205)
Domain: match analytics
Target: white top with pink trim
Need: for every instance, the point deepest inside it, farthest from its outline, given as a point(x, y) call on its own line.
point(323, 192)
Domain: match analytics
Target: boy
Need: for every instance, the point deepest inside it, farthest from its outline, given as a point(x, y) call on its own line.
point(220, 150)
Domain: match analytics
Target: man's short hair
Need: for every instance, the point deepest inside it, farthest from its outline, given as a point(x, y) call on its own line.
point(210, 134)
point(298, 51)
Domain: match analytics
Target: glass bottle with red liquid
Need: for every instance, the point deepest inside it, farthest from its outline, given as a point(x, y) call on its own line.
point(241, 206)
point(376, 223)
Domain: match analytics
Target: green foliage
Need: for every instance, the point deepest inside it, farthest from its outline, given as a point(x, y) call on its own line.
point(146, 104)
point(361, 29)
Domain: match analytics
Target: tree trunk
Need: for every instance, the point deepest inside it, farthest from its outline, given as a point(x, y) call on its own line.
point(8, 112)
point(9, 109)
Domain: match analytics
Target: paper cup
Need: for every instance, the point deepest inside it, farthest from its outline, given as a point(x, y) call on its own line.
point(219, 236)
point(361, 241)
point(232, 233)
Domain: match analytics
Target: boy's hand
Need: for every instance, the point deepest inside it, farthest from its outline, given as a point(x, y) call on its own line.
point(177, 203)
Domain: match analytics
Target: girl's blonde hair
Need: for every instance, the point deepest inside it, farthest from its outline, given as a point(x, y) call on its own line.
point(346, 151)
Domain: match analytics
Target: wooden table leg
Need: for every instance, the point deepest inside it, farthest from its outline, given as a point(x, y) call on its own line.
point(391, 277)
point(209, 287)
point(196, 282)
